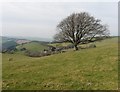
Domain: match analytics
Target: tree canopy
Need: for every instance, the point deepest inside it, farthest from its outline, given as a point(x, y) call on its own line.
point(80, 27)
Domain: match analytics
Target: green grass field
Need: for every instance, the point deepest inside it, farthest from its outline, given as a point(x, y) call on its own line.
point(86, 69)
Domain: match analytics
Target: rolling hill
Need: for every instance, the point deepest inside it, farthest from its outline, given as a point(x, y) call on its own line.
point(33, 46)
point(86, 69)
point(10, 44)
point(7, 44)
point(7, 39)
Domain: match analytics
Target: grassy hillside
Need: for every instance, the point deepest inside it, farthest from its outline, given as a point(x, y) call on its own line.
point(94, 68)
point(33, 46)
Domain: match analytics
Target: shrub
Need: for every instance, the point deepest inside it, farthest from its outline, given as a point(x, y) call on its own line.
point(92, 46)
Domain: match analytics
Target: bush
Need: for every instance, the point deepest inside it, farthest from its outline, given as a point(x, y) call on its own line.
point(23, 49)
point(92, 46)
point(10, 59)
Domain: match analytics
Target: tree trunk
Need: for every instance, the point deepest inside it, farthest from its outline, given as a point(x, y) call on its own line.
point(76, 48)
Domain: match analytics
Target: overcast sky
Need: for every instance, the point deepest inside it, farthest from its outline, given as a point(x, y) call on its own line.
point(39, 19)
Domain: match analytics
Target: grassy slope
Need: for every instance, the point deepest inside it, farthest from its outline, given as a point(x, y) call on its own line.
point(94, 68)
point(33, 46)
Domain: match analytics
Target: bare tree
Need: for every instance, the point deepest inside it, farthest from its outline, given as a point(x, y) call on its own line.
point(80, 27)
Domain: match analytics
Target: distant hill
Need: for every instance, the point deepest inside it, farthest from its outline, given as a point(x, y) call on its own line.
point(33, 46)
point(33, 38)
point(6, 39)
point(39, 39)
point(11, 44)
point(8, 44)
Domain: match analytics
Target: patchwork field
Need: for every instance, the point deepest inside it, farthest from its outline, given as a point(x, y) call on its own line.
point(86, 69)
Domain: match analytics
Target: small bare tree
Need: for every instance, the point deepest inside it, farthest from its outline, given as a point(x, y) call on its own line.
point(80, 27)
